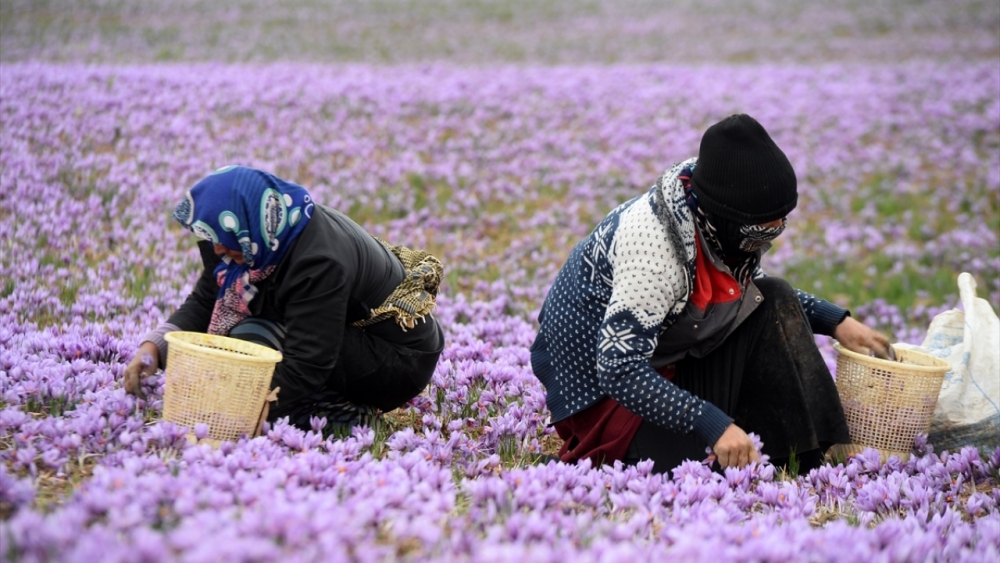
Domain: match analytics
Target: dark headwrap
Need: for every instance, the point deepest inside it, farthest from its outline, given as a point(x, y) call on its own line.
point(742, 176)
point(737, 244)
point(741, 181)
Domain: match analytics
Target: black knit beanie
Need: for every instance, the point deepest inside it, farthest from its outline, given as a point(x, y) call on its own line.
point(741, 175)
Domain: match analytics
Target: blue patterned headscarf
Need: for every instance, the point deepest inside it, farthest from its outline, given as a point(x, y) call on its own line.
point(250, 210)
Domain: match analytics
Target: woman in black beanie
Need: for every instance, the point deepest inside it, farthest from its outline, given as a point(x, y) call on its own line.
point(661, 336)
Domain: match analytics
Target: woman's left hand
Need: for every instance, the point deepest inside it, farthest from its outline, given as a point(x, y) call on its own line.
point(144, 363)
point(857, 337)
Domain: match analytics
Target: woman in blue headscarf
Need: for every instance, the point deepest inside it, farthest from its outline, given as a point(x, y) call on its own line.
point(350, 313)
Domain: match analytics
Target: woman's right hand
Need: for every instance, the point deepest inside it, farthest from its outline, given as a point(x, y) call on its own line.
point(144, 363)
point(735, 448)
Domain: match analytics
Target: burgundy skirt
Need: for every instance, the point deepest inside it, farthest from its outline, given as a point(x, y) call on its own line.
point(602, 432)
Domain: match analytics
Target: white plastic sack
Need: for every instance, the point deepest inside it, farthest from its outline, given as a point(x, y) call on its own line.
point(968, 408)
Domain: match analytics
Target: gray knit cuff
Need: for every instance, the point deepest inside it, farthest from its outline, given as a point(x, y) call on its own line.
point(156, 337)
point(711, 424)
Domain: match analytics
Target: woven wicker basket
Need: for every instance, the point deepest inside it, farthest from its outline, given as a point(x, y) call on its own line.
point(887, 403)
point(220, 381)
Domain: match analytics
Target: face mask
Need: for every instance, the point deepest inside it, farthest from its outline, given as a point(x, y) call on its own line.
point(753, 237)
point(738, 239)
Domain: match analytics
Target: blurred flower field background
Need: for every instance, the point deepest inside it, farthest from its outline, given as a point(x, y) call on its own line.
point(496, 135)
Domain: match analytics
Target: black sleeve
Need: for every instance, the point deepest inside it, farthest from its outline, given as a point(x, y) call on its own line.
point(823, 315)
point(196, 311)
point(314, 298)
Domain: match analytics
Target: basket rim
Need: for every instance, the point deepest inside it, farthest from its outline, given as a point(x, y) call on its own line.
point(940, 366)
point(263, 354)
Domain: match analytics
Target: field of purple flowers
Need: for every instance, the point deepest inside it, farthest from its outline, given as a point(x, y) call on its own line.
point(512, 31)
point(497, 168)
